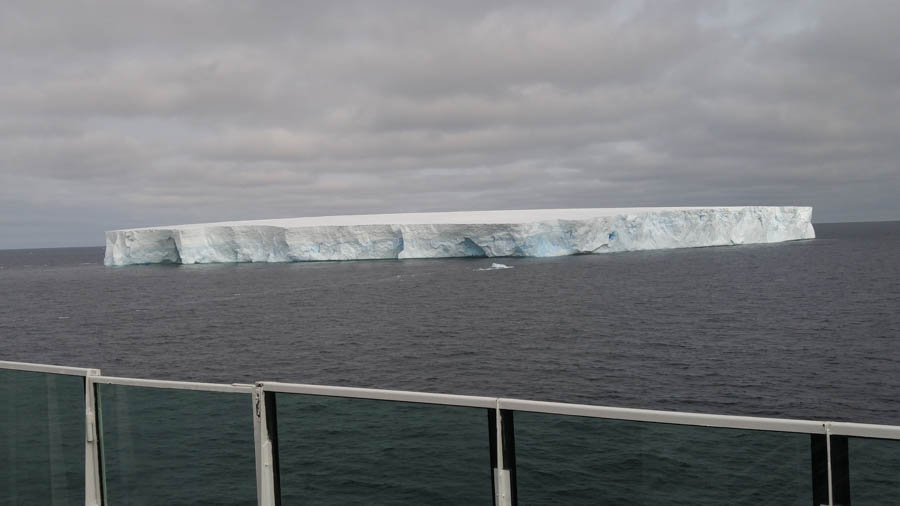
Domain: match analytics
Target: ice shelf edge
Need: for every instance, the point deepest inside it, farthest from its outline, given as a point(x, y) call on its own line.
point(539, 233)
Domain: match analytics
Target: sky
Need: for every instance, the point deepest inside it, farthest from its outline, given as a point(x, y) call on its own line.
point(118, 114)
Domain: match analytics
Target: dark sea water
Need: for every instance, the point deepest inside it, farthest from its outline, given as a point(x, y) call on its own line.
point(806, 329)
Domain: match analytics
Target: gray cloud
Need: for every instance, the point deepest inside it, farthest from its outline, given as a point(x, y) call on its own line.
point(116, 115)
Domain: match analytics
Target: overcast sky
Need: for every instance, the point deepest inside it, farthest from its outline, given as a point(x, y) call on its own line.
point(117, 115)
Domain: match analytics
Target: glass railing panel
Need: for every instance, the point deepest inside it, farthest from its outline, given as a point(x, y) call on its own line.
point(41, 438)
point(577, 460)
point(360, 452)
point(166, 446)
point(874, 471)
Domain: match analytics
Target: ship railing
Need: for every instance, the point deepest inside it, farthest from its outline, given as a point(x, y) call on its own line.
point(70, 435)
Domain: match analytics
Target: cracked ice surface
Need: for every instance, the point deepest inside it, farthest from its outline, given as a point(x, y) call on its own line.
point(534, 233)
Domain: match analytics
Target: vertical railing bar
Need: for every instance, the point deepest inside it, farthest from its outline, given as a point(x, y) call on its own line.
point(492, 445)
point(272, 433)
point(499, 481)
point(839, 468)
point(267, 493)
point(828, 452)
point(499, 428)
point(93, 490)
point(509, 461)
point(257, 443)
point(101, 445)
point(503, 493)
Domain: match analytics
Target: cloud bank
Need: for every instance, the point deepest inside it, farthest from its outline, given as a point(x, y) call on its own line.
point(114, 115)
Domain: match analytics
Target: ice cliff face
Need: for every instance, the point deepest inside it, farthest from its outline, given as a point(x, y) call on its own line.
point(536, 233)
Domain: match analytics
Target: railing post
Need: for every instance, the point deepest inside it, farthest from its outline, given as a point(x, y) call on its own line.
point(265, 435)
point(830, 469)
point(839, 460)
point(93, 491)
point(503, 456)
point(821, 484)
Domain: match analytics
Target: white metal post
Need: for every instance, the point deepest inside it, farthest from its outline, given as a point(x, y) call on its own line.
point(502, 491)
point(92, 489)
point(265, 477)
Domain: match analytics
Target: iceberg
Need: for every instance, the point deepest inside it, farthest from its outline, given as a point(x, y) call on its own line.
point(521, 233)
point(495, 267)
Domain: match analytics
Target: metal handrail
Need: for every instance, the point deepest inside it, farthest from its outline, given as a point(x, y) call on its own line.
point(864, 430)
point(45, 368)
point(378, 394)
point(669, 417)
point(582, 410)
point(174, 385)
point(263, 400)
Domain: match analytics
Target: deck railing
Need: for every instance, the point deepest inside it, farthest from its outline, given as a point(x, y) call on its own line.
point(71, 435)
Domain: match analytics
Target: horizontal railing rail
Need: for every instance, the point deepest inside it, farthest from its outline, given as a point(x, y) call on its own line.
point(864, 430)
point(52, 369)
point(670, 417)
point(825, 434)
point(585, 410)
point(174, 385)
point(378, 394)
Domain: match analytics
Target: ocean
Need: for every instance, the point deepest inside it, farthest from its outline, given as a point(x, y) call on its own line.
point(805, 329)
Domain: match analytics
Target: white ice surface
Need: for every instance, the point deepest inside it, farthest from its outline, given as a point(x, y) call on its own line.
point(537, 233)
point(495, 267)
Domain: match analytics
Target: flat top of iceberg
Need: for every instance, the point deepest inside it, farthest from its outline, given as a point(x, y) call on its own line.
point(448, 218)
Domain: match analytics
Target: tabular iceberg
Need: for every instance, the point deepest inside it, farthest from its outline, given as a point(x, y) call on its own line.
point(532, 233)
